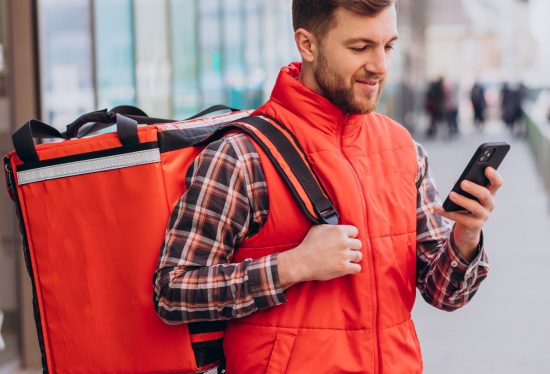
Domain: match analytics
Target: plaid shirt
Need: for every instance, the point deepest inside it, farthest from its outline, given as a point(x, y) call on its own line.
point(226, 201)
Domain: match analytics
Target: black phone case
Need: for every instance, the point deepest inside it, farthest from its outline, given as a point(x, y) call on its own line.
point(475, 171)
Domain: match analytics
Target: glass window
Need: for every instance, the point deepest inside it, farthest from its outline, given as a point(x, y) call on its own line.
point(66, 60)
point(253, 54)
point(185, 61)
point(114, 46)
point(233, 48)
point(153, 62)
point(270, 58)
point(211, 78)
point(285, 47)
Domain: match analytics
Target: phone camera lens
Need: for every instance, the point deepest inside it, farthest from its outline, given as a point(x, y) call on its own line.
point(487, 154)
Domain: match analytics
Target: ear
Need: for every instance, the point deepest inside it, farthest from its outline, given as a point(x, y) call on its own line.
point(306, 44)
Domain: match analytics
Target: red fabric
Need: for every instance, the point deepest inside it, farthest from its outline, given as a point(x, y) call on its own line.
point(358, 323)
point(207, 336)
point(94, 242)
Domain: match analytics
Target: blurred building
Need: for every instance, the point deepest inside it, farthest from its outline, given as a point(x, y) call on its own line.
point(169, 57)
point(489, 41)
point(174, 57)
point(493, 40)
point(540, 29)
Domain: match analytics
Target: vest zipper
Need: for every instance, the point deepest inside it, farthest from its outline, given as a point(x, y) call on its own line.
point(374, 294)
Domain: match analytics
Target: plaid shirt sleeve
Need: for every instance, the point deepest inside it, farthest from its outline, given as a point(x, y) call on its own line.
point(226, 201)
point(445, 279)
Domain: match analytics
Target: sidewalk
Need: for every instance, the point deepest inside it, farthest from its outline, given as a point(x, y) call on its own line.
point(506, 326)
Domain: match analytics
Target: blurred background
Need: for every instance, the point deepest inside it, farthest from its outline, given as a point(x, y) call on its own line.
point(464, 72)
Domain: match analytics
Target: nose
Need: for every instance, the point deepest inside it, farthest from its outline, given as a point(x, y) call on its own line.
point(378, 62)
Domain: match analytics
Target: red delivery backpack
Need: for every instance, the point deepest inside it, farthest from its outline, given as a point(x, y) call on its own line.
point(93, 210)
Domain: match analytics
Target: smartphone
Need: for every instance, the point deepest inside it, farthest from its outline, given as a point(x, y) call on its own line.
point(488, 154)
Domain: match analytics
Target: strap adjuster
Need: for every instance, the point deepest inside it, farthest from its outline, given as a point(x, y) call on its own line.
point(329, 216)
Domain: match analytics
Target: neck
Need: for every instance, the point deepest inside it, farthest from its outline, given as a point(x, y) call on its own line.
point(307, 77)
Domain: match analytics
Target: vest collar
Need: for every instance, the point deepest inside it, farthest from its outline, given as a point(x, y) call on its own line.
point(314, 108)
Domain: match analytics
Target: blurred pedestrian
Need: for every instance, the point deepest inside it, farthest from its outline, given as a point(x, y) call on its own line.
point(433, 105)
point(477, 97)
point(521, 96)
point(450, 100)
point(505, 104)
point(512, 104)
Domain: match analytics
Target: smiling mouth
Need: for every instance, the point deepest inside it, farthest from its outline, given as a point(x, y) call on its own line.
point(369, 82)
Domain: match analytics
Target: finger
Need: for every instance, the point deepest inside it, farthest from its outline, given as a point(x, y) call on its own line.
point(495, 180)
point(355, 244)
point(465, 219)
point(483, 194)
point(472, 206)
point(353, 268)
point(355, 256)
point(349, 230)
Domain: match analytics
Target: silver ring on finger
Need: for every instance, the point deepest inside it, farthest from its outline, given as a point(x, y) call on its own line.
point(357, 255)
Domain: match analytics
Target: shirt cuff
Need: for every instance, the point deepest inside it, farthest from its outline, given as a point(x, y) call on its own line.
point(263, 282)
point(458, 262)
point(465, 275)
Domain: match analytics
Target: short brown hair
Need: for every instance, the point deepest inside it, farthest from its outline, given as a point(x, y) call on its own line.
point(316, 16)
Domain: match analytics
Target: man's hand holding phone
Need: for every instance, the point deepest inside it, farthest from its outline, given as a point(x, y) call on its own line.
point(471, 200)
point(467, 231)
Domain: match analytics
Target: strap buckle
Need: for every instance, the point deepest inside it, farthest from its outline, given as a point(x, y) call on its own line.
point(329, 216)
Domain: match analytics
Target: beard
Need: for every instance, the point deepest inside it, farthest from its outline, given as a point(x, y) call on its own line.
point(341, 94)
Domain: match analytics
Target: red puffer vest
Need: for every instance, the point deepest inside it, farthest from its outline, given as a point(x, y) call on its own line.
point(353, 324)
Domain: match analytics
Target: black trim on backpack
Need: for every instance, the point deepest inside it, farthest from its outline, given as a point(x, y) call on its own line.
point(208, 352)
point(28, 263)
point(207, 326)
point(173, 140)
point(211, 351)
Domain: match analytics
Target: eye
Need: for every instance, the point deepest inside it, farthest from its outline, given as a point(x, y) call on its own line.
point(358, 49)
point(389, 47)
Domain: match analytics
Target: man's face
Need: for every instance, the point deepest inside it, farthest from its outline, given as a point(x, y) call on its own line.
point(353, 59)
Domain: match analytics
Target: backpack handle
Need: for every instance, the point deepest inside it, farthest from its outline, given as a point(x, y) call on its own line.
point(23, 138)
point(126, 118)
point(103, 120)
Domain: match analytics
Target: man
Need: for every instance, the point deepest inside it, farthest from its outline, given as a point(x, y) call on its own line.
point(330, 298)
point(434, 105)
point(477, 98)
point(451, 102)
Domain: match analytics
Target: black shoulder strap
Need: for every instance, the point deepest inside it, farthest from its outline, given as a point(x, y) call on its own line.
point(323, 209)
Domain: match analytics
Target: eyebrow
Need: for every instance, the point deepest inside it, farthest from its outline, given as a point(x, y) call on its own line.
point(369, 41)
